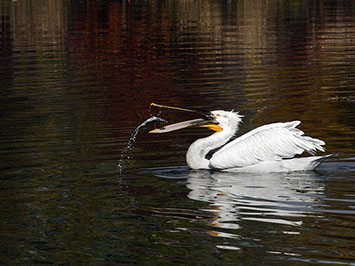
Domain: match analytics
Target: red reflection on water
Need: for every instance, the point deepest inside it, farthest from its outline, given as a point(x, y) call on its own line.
point(128, 54)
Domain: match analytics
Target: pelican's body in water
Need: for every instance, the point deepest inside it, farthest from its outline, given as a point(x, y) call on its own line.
point(269, 148)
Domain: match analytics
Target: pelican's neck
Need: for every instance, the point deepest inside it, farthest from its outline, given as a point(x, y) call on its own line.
point(196, 154)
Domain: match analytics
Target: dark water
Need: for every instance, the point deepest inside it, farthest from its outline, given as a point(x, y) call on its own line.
point(77, 78)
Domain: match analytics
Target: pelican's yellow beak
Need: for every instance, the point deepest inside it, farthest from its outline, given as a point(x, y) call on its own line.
point(210, 122)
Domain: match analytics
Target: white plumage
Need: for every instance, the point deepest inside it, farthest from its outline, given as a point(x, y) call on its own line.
point(269, 148)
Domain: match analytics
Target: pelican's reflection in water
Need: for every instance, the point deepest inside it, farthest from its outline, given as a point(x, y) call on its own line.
point(273, 198)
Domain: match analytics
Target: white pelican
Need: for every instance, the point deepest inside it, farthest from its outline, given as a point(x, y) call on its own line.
point(269, 148)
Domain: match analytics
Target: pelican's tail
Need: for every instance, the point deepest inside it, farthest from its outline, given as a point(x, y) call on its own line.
point(305, 163)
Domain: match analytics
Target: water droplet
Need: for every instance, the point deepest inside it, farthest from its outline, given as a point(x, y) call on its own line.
point(130, 145)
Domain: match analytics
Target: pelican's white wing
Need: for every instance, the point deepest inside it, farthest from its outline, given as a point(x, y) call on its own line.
point(272, 142)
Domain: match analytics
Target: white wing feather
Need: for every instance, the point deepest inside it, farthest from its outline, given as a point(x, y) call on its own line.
point(272, 142)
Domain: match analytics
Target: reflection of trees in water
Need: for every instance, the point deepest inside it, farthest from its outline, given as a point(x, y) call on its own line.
point(273, 59)
point(274, 198)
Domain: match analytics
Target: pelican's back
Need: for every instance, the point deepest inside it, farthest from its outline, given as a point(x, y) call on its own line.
point(269, 143)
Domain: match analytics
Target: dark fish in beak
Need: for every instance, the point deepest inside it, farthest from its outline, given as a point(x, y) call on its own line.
point(208, 122)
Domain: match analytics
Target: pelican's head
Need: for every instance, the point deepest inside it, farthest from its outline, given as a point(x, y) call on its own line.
point(216, 120)
point(227, 119)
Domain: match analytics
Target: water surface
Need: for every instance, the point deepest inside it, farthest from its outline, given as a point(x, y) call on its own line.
point(77, 78)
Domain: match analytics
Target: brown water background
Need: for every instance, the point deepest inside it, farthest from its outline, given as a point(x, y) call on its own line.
point(77, 77)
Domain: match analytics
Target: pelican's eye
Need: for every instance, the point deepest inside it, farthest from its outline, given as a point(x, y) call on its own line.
point(217, 115)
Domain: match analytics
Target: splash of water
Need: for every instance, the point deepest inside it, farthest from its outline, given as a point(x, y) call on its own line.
point(124, 156)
